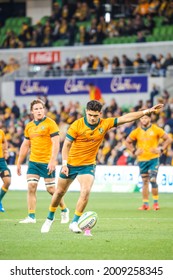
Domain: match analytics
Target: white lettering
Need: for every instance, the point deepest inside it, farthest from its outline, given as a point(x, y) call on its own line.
point(74, 86)
point(27, 88)
point(118, 85)
point(43, 57)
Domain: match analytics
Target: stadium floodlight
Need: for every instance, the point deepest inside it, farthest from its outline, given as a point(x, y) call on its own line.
point(107, 14)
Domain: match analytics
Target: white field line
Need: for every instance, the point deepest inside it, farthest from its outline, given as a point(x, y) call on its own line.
point(137, 218)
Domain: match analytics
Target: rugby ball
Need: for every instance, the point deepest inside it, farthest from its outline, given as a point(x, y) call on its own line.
point(87, 220)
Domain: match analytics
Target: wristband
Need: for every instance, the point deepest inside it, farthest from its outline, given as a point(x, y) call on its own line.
point(145, 112)
point(64, 162)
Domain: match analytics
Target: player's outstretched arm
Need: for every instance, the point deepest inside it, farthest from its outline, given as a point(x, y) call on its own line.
point(137, 115)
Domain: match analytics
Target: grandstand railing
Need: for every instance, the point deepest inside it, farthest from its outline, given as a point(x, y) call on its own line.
point(40, 72)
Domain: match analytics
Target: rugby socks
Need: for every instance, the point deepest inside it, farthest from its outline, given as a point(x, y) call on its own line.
point(76, 216)
point(63, 209)
point(146, 202)
point(155, 199)
point(51, 214)
point(31, 214)
point(3, 191)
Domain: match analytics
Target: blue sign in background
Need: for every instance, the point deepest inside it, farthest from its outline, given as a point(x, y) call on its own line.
point(73, 85)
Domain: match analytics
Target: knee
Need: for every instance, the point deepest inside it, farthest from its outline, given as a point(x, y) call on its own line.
point(145, 182)
point(51, 190)
point(85, 194)
point(32, 188)
point(153, 177)
point(154, 185)
point(60, 192)
point(153, 180)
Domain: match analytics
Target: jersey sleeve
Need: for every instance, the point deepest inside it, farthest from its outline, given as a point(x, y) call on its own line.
point(160, 132)
point(109, 123)
point(54, 129)
point(26, 134)
point(133, 135)
point(115, 122)
point(72, 131)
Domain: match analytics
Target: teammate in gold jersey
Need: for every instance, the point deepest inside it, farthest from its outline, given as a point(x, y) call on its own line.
point(147, 138)
point(79, 151)
point(5, 173)
point(42, 141)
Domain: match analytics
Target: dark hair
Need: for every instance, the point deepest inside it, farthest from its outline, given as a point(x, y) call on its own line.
point(94, 105)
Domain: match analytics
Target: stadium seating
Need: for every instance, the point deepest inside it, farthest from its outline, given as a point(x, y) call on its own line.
point(161, 32)
point(14, 24)
point(60, 43)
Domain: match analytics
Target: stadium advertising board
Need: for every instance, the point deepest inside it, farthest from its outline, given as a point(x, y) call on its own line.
point(107, 179)
point(70, 86)
point(44, 57)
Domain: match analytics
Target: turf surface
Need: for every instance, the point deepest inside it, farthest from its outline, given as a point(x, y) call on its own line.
point(121, 233)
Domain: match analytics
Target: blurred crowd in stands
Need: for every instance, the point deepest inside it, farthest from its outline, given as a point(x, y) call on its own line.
point(9, 67)
point(155, 66)
point(112, 151)
point(85, 23)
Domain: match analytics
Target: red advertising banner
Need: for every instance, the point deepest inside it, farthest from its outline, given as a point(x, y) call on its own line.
point(43, 57)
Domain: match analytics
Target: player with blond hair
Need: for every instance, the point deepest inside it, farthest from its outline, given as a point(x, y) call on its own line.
point(42, 140)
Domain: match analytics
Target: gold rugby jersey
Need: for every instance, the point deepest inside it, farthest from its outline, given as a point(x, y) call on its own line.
point(146, 139)
point(86, 140)
point(40, 133)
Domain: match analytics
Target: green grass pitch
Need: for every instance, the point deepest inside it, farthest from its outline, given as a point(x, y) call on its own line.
point(122, 232)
